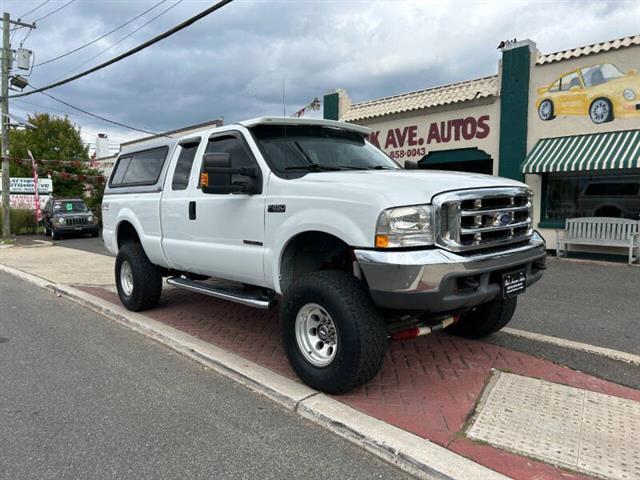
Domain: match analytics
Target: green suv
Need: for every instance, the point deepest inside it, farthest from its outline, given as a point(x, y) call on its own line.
point(68, 215)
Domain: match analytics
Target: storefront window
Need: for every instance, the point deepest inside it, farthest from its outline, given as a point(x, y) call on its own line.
point(591, 195)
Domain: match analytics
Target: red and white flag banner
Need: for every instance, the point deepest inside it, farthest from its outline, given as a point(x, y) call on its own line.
point(34, 168)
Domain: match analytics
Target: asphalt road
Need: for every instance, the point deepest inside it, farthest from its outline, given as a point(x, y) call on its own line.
point(82, 397)
point(593, 303)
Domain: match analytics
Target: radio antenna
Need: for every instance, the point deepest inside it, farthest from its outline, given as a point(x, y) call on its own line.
point(284, 110)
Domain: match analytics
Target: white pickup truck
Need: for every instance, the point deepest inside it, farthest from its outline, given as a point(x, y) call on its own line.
point(308, 214)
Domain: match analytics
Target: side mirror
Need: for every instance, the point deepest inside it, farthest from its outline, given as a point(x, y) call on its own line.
point(411, 165)
point(575, 88)
point(632, 72)
point(217, 175)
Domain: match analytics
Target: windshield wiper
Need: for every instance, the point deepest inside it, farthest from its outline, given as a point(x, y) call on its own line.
point(313, 167)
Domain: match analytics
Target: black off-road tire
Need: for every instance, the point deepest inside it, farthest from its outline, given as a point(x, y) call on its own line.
point(360, 329)
point(47, 232)
point(95, 234)
point(485, 319)
point(147, 278)
point(55, 235)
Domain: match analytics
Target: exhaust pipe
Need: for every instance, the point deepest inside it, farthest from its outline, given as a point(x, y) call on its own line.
point(420, 330)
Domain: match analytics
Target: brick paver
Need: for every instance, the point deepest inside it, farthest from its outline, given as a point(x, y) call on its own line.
point(428, 385)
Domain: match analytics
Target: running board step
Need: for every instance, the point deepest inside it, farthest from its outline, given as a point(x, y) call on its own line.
point(251, 299)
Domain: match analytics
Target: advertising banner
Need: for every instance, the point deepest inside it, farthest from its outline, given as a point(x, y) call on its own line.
point(28, 201)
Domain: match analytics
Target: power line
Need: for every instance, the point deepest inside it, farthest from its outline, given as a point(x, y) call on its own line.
point(101, 36)
point(120, 124)
point(54, 11)
point(122, 39)
point(134, 50)
point(34, 9)
point(52, 109)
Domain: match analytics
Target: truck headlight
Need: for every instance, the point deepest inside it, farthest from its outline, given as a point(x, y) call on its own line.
point(405, 227)
point(90, 219)
point(60, 220)
point(629, 94)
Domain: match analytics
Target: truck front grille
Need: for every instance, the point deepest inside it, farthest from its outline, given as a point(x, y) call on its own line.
point(76, 220)
point(475, 219)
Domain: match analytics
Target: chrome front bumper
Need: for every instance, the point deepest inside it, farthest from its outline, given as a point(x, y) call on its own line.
point(437, 280)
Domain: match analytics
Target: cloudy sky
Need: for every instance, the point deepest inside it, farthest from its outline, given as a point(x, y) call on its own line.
point(232, 64)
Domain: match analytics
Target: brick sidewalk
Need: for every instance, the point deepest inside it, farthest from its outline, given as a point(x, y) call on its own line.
point(428, 385)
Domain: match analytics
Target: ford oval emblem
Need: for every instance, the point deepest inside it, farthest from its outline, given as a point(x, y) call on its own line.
point(505, 219)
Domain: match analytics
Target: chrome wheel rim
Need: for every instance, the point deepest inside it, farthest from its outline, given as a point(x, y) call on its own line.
point(600, 111)
point(545, 110)
point(126, 278)
point(316, 335)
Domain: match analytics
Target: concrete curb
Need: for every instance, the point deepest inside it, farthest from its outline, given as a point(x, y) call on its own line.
point(408, 452)
point(570, 344)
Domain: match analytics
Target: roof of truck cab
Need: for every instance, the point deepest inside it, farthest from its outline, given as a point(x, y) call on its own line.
point(305, 121)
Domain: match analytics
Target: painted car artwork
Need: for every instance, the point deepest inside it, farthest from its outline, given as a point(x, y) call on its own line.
point(602, 92)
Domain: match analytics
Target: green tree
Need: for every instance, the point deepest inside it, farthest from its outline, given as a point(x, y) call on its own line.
point(55, 138)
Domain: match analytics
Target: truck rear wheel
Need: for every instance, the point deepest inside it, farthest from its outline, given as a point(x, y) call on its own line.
point(138, 281)
point(485, 319)
point(333, 335)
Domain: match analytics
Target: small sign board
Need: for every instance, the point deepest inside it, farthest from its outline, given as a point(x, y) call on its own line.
point(25, 185)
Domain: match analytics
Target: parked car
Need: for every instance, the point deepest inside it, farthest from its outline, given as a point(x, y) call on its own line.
point(601, 91)
point(616, 198)
point(63, 216)
point(308, 214)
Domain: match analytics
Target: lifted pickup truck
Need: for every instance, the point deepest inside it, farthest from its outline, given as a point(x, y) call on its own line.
point(308, 214)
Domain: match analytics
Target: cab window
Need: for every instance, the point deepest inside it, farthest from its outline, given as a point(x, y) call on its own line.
point(240, 156)
point(239, 152)
point(183, 166)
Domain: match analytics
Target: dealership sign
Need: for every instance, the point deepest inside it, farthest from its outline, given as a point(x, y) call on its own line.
point(407, 141)
point(27, 201)
point(26, 185)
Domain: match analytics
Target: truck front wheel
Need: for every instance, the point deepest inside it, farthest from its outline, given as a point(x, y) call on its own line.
point(139, 282)
point(485, 319)
point(333, 335)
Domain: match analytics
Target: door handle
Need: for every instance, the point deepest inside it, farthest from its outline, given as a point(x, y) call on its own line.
point(192, 210)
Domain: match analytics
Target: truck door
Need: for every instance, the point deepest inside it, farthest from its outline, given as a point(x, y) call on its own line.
point(228, 228)
point(177, 228)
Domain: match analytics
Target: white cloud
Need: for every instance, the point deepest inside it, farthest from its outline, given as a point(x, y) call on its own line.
point(232, 63)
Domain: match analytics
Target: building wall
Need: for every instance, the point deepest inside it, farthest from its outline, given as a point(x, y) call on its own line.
point(625, 59)
point(412, 135)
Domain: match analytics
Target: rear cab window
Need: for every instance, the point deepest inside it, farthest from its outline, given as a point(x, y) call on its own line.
point(139, 168)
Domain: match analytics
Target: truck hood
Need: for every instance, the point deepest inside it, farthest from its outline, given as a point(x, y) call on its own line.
point(402, 187)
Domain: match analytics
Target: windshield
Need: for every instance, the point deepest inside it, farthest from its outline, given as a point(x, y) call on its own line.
point(318, 148)
point(69, 206)
point(599, 74)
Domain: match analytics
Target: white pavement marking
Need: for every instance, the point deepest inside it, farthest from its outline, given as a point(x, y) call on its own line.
point(583, 347)
point(409, 452)
point(585, 431)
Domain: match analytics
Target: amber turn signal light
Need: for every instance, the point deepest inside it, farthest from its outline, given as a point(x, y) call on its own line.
point(382, 241)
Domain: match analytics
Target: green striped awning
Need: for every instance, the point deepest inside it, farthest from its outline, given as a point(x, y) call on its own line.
point(596, 151)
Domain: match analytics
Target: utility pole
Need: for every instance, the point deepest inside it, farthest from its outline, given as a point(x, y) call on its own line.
point(4, 112)
point(5, 70)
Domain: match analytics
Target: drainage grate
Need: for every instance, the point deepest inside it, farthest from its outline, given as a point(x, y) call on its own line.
point(577, 429)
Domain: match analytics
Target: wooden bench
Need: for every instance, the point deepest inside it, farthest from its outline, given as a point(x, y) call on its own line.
point(601, 231)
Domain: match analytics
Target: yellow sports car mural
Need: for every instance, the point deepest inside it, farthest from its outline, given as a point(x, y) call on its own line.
point(601, 91)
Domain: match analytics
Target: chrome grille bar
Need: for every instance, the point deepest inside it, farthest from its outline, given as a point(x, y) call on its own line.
point(483, 218)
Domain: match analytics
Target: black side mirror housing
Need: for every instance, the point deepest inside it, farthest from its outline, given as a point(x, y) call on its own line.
point(411, 165)
point(217, 175)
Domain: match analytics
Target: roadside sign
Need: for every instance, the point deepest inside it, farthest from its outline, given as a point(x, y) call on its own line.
point(26, 185)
